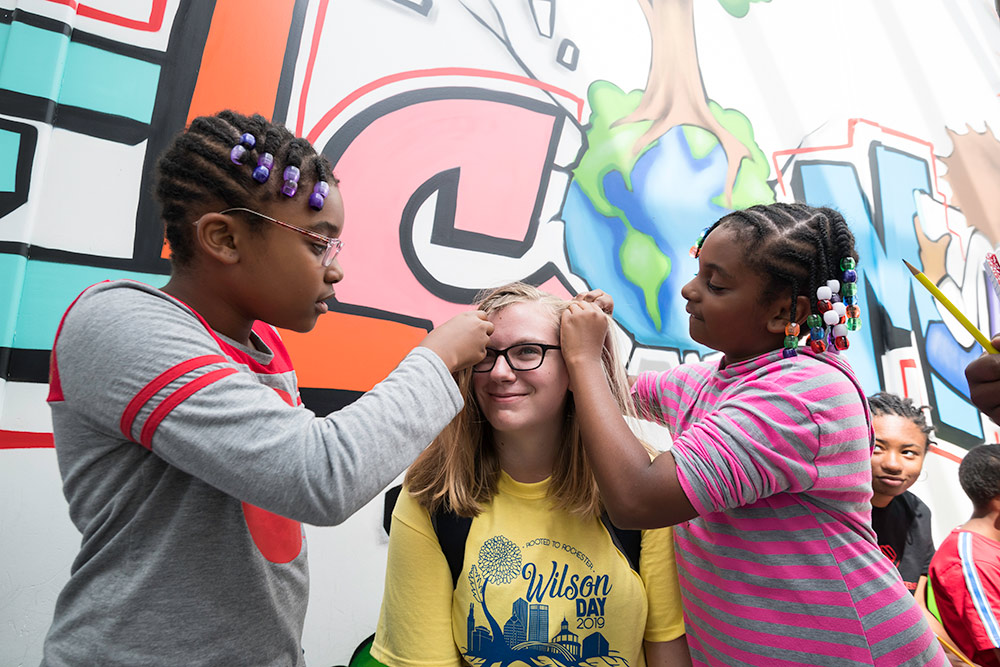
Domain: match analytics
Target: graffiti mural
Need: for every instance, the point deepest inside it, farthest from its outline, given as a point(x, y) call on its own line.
point(570, 144)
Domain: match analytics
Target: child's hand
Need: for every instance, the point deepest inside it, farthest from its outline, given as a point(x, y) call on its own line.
point(603, 300)
point(583, 331)
point(983, 375)
point(461, 341)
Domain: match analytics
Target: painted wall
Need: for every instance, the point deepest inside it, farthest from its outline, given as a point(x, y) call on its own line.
point(572, 144)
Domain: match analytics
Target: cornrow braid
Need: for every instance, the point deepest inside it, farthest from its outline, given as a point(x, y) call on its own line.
point(197, 169)
point(885, 404)
point(798, 248)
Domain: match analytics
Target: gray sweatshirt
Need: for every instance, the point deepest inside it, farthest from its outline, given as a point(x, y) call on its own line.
point(188, 462)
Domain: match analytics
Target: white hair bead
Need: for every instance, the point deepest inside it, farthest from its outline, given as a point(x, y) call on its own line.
point(823, 293)
point(841, 309)
point(831, 317)
point(834, 285)
point(839, 330)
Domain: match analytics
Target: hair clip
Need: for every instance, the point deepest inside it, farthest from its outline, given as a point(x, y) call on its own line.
point(696, 248)
point(291, 177)
point(318, 196)
point(263, 170)
point(247, 142)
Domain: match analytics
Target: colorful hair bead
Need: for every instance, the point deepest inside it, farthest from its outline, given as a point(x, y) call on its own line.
point(814, 321)
point(696, 248)
point(831, 317)
point(239, 151)
point(841, 342)
point(849, 289)
point(850, 276)
point(291, 176)
point(853, 323)
point(818, 345)
point(847, 264)
point(817, 333)
point(839, 330)
point(263, 170)
point(789, 352)
point(850, 300)
point(318, 196)
point(823, 293)
point(834, 286)
point(841, 310)
point(823, 306)
point(853, 311)
point(792, 329)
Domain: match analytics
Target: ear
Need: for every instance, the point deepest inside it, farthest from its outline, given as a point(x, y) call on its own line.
point(216, 235)
point(782, 314)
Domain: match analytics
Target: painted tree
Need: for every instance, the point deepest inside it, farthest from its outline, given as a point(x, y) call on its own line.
point(675, 93)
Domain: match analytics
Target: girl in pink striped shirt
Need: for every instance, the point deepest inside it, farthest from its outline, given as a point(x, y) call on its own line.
point(768, 481)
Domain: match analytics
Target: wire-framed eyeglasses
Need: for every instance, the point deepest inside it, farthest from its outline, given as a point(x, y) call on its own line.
point(520, 357)
point(332, 246)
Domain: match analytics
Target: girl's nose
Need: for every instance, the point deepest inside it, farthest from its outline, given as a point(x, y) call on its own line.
point(688, 291)
point(502, 370)
point(334, 273)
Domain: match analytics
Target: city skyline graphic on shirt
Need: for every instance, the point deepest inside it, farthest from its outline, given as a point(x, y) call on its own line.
point(529, 634)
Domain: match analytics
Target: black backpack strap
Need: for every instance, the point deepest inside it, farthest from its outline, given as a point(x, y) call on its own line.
point(452, 531)
point(391, 495)
point(629, 542)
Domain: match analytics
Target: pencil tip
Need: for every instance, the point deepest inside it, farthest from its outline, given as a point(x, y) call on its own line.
point(910, 267)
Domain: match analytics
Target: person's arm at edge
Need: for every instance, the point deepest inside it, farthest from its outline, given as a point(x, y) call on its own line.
point(673, 653)
point(921, 595)
point(638, 493)
point(983, 375)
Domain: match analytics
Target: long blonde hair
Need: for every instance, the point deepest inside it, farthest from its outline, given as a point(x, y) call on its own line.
point(460, 470)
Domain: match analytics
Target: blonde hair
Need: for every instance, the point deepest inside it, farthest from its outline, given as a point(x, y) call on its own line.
point(460, 470)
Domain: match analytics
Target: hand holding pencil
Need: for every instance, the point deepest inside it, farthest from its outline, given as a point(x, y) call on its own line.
point(952, 308)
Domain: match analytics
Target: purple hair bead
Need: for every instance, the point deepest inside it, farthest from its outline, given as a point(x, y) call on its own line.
point(263, 170)
point(291, 176)
point(318, 196)
point(236, 155)
point(248, 140)
point(788, 353)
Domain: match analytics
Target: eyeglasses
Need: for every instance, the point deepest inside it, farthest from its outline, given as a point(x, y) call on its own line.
point(333, 246)
point(520, 357)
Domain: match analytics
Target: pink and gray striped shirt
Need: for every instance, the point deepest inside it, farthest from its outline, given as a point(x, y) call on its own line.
point(781, 567)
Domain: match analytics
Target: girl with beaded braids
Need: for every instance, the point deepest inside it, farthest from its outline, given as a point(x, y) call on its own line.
point(187, 457)
point(768, 480)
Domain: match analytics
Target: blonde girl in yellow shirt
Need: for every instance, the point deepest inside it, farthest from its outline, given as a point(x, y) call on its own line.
point(542, 581)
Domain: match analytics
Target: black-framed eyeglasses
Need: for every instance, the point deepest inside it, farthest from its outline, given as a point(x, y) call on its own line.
point(520, 357)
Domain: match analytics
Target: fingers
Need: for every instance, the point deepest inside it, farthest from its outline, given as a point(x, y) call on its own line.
point(599, 297)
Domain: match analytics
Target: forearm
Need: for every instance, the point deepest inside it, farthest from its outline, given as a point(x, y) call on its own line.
point(637, 493)
point(673, 653)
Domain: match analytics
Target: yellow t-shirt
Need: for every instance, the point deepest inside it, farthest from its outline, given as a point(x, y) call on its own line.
point(535, 582)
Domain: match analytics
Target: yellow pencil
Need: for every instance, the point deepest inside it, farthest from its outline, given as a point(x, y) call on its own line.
point(952, 308)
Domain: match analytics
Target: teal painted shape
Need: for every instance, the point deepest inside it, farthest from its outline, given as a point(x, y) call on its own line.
point(953, 409)
point(109, 83)
point(4, 34)
point(48, 291)
point(10, 143)
point(11, 277)
point(33, 61)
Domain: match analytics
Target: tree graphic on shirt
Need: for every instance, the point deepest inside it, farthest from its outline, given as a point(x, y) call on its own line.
point(498, 563)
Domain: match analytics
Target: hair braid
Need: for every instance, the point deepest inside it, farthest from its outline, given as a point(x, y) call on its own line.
point(197, 170)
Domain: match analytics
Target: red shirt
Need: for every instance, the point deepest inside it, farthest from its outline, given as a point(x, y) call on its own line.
point(965, 576)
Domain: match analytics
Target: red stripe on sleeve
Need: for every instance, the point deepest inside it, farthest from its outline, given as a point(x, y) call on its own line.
point(161, 381)
point(172, 401)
